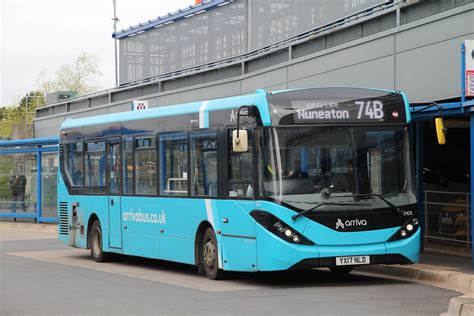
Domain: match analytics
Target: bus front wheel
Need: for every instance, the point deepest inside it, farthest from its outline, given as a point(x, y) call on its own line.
point(210, 256)
point(97, 253)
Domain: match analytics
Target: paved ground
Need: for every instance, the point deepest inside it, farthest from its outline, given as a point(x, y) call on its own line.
point(40, 275)
point(461, 264)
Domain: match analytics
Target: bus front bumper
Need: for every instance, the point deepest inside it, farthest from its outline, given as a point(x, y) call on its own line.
point(276, 254)
point(405, 251)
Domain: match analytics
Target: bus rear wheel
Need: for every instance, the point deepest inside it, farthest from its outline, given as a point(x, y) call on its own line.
point(344, 270)
point(95, 239)
point(210, 256)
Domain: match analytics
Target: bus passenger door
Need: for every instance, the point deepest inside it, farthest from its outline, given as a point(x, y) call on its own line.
point(114, 186)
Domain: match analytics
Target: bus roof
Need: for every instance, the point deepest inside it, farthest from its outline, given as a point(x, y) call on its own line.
point(185, 108)
point(258, 99)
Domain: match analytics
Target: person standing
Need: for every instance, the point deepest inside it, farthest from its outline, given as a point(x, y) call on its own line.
point(17, 184)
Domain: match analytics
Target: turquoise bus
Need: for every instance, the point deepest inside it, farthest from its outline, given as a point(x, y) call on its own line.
point(294, 179)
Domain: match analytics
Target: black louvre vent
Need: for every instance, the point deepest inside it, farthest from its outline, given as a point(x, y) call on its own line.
point(63, 222)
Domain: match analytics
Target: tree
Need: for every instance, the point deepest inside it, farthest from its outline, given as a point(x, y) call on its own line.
point(3, 113)
point(21, 112)
point(5, 125)
point(27, 105)
point(79, 76)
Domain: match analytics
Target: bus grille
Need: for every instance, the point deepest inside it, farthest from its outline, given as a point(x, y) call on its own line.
point(63, 221)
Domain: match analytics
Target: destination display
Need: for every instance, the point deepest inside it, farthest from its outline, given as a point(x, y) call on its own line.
point(338, 110)
point(337, 105)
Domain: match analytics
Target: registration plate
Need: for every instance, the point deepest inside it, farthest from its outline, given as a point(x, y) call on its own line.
point(353, 260)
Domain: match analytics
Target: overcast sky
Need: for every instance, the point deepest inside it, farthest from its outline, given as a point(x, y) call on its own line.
point(45, 34)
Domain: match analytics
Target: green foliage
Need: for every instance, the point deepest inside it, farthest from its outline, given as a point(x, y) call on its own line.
point(79, 76)
point(22, 112)
point(9, 116)
point(6, 164)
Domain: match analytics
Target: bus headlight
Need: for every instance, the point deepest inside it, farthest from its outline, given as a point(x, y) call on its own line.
point(279, 228)
point(407, 230)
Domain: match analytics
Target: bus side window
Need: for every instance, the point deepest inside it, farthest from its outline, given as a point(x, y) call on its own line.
point(74, 163)
point(145, 166)
point(114, 165)
point(174, 164)
point(128, 166)
point(95, 167)
point(204, 164)
point(241, 169)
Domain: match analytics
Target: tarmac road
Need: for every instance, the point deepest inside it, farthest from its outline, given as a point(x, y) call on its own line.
point(40, 275)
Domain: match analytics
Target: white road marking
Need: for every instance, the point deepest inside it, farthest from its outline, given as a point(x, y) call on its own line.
point(10, 234)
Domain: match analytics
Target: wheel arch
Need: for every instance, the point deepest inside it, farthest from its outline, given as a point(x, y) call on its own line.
point(92, 218)
point(198, 240)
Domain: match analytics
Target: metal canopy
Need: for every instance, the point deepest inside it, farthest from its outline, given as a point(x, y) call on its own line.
point(424, 112)
point(29, 142)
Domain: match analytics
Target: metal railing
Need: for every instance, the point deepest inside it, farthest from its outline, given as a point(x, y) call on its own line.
point(448, 216)
point(27, 208)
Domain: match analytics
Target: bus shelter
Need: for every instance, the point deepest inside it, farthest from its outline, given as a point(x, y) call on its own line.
point(28, 170)
point(444, 180)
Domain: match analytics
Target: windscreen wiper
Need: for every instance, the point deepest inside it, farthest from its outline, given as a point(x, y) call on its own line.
point(392, 206)
point(296, 216)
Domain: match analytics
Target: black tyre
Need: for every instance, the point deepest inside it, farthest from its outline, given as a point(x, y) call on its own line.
point(210, 256)
point(344, 270)
point(95, 240)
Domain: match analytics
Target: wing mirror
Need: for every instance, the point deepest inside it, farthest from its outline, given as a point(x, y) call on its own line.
point(240, 141)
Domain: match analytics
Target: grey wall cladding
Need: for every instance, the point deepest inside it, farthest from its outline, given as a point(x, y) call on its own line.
point(267, 60)
point(381, 24)
point(427, 8)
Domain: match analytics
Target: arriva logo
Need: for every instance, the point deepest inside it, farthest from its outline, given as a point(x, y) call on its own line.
point(350, 222)
point(233, 116)
point(339, 224)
